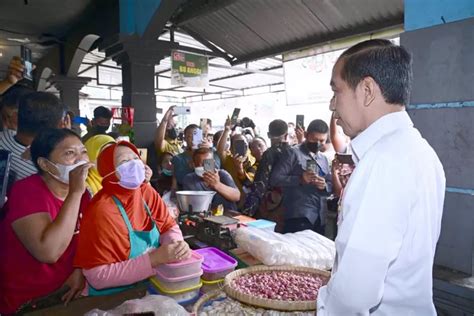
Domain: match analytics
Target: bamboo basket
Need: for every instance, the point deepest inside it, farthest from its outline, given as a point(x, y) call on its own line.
point(268, 303)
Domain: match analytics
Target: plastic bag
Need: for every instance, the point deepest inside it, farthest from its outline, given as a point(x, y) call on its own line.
point(170, 205)
point(157, 304)
point(305, 249)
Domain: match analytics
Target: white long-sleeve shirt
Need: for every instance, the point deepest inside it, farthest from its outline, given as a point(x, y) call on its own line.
point(389, 225)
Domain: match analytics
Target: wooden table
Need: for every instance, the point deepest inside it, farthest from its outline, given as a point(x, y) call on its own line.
point(85, 304)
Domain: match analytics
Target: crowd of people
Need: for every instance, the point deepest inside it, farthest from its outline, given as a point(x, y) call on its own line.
point(85, 216)
point(287, 182)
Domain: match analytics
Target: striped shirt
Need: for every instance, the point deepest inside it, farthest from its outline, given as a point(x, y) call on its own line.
point(20, 168)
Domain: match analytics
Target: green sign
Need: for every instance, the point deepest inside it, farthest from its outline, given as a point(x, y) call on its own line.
point(190, 70)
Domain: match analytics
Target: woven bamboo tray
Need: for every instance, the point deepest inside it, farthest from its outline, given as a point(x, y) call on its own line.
point(203, 299)
point(268, 303)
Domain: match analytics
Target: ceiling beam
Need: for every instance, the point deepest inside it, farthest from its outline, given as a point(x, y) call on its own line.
point(228, 77)
point(249, 70)
point(160, 17)
point(208, 44)
point(316, 40)
point(198, 8)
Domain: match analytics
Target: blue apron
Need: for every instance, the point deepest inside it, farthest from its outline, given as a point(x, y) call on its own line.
point(140, 241)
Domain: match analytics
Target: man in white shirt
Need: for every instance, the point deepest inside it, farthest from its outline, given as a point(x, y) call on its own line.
point(392, 206)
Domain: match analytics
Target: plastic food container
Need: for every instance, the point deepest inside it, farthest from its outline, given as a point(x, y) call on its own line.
point(216, 264)
point(178, 284)
point(262, 224)
point(209, 286)
point(181, 297)
point(192, 266)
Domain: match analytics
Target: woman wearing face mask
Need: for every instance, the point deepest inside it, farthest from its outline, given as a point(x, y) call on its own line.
point(94, 146)
point(127, 230)
point(164, 182)
point(38, 236)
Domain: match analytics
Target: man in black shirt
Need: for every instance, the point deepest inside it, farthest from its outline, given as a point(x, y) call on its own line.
point(265, 201)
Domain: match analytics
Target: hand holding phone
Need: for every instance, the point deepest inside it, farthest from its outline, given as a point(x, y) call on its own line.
point(203, 125)
point(300, 121)
point(311, 166)
point(197, 138)
point(182, 110)
point(27, 63)
point(235, 116)
point(209, 165)
point(345, 158)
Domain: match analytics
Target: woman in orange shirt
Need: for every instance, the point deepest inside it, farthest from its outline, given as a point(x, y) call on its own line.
point(127, 230)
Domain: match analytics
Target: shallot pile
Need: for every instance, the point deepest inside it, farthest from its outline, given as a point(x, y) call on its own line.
point(279, 285)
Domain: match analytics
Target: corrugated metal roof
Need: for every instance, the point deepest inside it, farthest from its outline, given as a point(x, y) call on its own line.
point(252, 29)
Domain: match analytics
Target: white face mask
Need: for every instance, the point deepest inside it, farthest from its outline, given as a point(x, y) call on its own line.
point(64, 170)
point(199, 171)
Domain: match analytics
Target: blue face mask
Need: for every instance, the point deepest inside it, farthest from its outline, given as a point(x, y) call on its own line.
point(167, 172)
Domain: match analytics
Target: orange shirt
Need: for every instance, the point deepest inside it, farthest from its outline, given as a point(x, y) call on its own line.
point(104, 238)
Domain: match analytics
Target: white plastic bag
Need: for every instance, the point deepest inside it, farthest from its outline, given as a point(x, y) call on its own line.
point(305, 249)
point(170, 205)
point(157, 304)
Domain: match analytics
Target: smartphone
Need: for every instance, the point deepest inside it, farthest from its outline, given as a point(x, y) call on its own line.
point(5, 161)
point(203, 125)
point(235, 116)
point(311, 165)
point(182, 110)
point(209, 165)
point(345, 158)
point(300, 121)
point(197, 138)
point(80, 120)
point(26, 58)
point(240, 147)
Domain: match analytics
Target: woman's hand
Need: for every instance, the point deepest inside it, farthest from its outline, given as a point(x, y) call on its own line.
point(77, 178)
point(176, 251)
point(148, 173)
point(76, 283)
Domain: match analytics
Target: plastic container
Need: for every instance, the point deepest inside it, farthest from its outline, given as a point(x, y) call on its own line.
point(181, 297)
point(262, 224)
point(209, 286)
point(216, 264)
point(244, 220)
point(178, 284)
point(180, 269)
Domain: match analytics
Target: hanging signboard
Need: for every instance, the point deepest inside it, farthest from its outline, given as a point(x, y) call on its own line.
point(190, 70)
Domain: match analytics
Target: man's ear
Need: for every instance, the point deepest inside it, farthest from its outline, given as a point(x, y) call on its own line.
point(369, 88)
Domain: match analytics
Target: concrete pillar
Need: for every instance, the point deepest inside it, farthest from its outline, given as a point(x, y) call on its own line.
point(138, 58)
point(138, 83)
point(69, 90)
point(440, 36)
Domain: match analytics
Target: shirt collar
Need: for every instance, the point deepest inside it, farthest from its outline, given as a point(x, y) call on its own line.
point(384, 126)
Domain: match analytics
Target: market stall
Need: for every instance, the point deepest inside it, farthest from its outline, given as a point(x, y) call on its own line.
point(238, 263)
